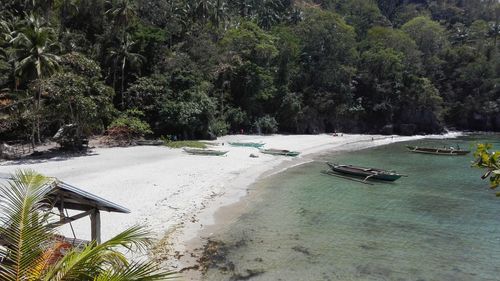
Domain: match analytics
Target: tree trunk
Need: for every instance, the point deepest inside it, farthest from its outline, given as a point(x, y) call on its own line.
point(114, 74)
point(123, 83)
point(37, 112)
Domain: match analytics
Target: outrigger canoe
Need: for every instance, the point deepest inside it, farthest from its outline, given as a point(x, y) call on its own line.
point(366, 173)
point(247, 144)
point(437, 151)
point(199, 151)
point(282, 152)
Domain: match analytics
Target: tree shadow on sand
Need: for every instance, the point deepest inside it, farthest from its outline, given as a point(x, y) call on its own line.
point(49, 155)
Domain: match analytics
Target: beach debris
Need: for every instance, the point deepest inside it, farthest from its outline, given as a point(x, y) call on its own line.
point(70, 137)
point(7, 151)
point(214, 256)
point(194, 267)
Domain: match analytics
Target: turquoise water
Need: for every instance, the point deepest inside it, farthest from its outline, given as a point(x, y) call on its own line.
point(440, 223)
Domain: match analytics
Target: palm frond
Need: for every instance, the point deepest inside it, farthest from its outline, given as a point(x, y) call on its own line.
point(106, 260)
point(136, 272)
point(23, 227)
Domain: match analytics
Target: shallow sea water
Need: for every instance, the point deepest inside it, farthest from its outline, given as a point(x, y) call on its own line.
point(439, 223)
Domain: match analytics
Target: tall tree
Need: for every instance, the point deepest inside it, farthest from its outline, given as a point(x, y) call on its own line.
point(36, 48)
point(122, 12)
point(124, 57)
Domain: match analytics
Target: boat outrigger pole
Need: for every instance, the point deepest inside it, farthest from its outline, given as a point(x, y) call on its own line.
point(345, 177)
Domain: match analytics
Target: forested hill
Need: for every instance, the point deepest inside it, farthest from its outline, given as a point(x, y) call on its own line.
point(199, 68)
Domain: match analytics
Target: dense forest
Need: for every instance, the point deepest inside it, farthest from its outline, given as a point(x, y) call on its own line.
point(201, 68)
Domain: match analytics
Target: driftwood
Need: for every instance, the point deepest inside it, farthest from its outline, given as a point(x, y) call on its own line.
point(12, 152)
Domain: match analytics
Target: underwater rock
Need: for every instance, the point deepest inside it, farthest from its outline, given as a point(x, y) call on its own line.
point(249, 274)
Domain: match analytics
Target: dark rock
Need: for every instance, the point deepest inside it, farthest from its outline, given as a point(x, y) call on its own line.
point(249, 274)
point(302, 250)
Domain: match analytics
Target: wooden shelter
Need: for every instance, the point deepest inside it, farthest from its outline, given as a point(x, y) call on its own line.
point(67, 197)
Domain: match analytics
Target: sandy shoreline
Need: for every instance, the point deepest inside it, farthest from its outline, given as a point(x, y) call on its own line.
point(176, 195)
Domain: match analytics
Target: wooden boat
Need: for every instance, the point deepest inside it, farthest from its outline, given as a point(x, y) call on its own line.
point(366, 173)
point(283, 152)
point(200, 151)
point(150, 142)
point(437, 151)
point(247, 144)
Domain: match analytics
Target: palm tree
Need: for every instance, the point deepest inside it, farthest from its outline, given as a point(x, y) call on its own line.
point(8, 27)
point(35, 45)
point(122, 12)
point(24, 213)
point(220, 14)
point(268, 13)
point(200, 9)
point(124, 56)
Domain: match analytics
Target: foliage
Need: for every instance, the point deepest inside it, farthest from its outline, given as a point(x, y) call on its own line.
point(490, 161)
point(25, 216)
point(76, 99)
point(149, 94)
point(130, 124)
point(199, 68)
point(219, 127)
point(266, 125)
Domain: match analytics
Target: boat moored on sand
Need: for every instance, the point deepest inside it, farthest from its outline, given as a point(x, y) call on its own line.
point(282, 152)
point(201, 151)
point(247, 144)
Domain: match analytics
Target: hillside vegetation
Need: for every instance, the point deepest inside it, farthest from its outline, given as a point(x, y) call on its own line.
point(200, 68)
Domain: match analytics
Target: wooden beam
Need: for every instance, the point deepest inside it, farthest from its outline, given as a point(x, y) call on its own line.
point(65, 220)
point(95, 225)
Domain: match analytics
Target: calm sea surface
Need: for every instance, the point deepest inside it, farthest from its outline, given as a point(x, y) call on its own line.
point(440, 223)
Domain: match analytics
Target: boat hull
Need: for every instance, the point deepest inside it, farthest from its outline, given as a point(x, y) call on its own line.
point(206, 152)
point(437, 151)
point(247, 144)
point(280, 152)
point(368, 173)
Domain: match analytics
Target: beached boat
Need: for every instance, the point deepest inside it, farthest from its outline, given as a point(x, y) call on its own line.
point(437, 151)
point(366, 173)
point(282, 152)
point(247, 144)
point(149, 142)
point(200, 151)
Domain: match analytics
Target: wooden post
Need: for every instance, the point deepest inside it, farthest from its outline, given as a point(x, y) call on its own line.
point(61, 209)
point(95, 226)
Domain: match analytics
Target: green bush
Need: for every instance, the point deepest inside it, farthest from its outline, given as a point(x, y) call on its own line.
point(131, 122)
point(266, 125)
point(219, 127)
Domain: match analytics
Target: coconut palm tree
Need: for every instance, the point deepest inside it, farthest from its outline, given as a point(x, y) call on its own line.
point(221, 13)
point(122, 12)
point(24, 213)
point(124, 56)
point(35, 46)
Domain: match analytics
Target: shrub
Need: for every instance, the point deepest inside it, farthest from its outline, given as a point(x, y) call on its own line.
point(266, 125)
point(219, 127)
point(129, 125)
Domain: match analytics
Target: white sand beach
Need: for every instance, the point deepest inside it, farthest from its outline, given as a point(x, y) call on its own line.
point(171, 192)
